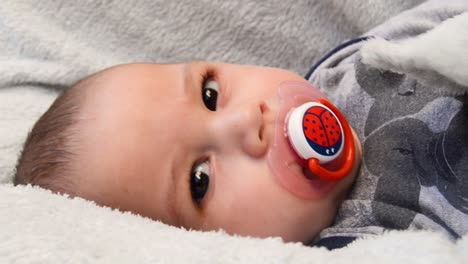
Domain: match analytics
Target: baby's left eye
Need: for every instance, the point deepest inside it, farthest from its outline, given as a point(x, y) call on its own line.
point(210, 91)
point(199, 181)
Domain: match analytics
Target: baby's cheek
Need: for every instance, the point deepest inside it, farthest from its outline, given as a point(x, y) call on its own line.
point(239, 205)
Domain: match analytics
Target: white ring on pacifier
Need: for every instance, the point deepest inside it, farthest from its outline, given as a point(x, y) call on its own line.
point(315, 132)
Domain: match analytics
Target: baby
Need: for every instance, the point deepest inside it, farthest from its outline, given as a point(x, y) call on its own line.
point(187, 144)
point(191, 145)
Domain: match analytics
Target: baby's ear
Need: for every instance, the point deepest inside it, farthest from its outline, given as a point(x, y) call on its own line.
point(442, 51)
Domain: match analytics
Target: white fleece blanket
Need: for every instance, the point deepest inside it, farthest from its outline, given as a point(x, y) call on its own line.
point(47, 45)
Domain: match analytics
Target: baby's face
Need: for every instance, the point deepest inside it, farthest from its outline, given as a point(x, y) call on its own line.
point(188, 144)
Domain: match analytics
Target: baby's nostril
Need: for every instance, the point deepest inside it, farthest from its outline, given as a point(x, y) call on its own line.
point(263, 107)
point(260, 132)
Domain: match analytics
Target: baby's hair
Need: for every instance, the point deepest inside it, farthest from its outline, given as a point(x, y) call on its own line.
point(50, 147)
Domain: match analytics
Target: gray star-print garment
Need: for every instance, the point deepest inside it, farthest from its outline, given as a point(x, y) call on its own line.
point(414, 135)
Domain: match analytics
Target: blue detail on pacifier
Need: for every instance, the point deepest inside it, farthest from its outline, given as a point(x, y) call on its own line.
point(326, 151)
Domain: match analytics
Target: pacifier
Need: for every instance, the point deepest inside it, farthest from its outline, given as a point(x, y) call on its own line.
point(319, 133)
point(313, 146)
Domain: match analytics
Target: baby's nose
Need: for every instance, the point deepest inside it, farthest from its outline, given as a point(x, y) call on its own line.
point(242, 127)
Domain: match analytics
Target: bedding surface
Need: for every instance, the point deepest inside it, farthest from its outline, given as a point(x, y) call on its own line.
point(39, 227)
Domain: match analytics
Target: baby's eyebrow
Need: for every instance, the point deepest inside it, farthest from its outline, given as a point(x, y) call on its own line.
point(171, 194)
point(178, 197)
point(187, 77)
point(189, 68)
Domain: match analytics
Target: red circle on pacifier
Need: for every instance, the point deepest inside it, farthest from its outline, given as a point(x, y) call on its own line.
point(322, 130)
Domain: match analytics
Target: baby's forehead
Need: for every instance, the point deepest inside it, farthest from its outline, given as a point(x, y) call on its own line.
point(106, 81)
point(147, 93)
point(123, 93)
point(112, 73)
point(119, 127)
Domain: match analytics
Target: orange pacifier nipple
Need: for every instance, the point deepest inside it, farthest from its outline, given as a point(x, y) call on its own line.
point(319, 134)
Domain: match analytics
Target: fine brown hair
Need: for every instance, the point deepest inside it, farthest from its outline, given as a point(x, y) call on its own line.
point(50, 147)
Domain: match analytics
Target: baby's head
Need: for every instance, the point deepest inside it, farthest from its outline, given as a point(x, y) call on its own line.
point(187, 144)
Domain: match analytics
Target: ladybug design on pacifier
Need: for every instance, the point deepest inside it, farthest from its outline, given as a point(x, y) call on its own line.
point(319, 133)
point(322, 130)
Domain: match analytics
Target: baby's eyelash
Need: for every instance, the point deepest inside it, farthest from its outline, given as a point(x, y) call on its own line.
point(208, 74)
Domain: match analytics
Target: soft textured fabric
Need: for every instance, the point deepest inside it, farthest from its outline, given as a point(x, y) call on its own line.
point(414, 133)
point(39, 227)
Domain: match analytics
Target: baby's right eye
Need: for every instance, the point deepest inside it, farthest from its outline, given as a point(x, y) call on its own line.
point(210, 92)
point(199, 181)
